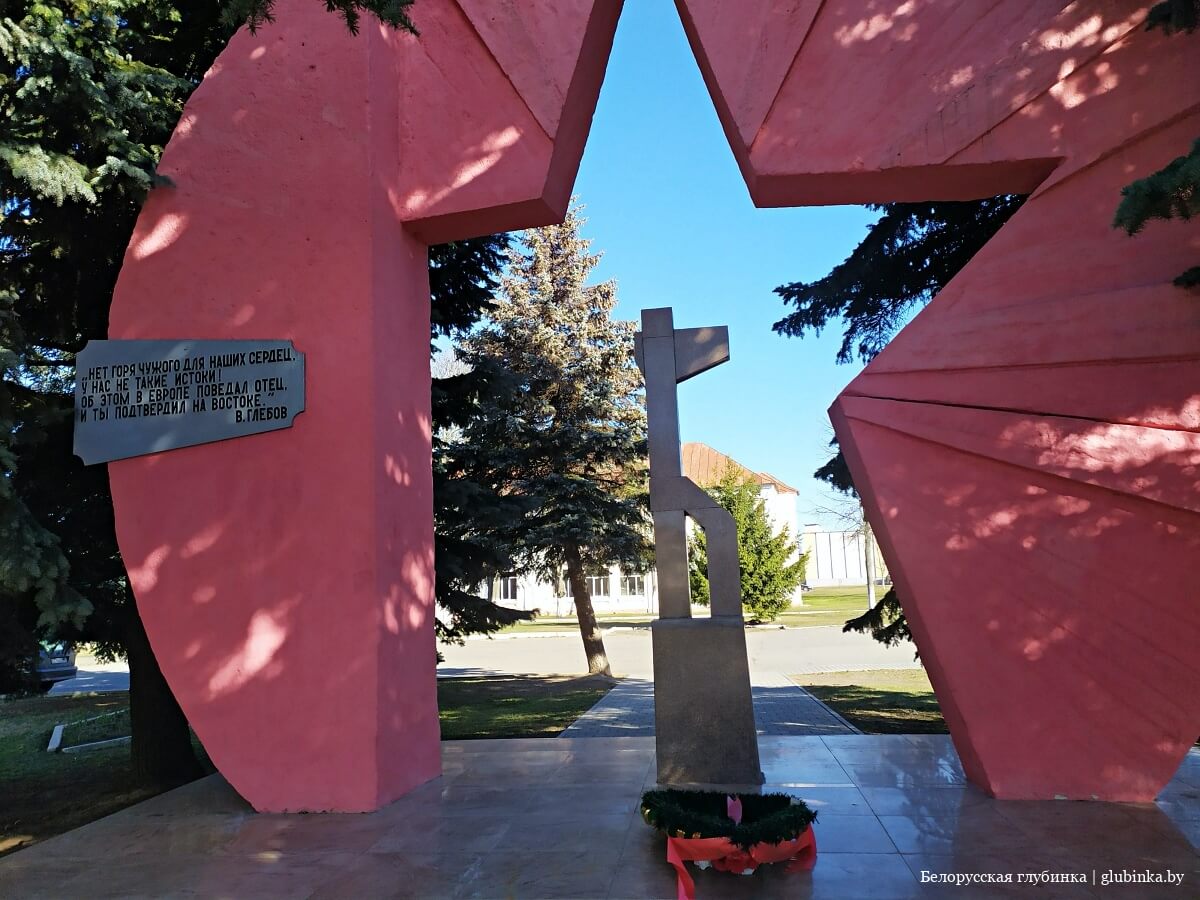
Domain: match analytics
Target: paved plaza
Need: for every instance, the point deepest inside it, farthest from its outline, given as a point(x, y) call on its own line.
point(557, 818)
point(780, 708)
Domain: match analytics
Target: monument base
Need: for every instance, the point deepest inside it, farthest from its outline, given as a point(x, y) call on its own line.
point(703, 709)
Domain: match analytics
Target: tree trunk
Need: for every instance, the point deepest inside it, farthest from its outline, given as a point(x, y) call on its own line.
point(161, 750)
point(589, 628)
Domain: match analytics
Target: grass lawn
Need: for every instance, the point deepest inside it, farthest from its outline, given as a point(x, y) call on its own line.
point(515, 706)
point(43, 794)
point(880, 701)
point(828, 606)
point(100, 727)
point(47, 793)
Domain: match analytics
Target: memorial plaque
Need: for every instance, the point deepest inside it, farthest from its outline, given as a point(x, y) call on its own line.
point(138, 397)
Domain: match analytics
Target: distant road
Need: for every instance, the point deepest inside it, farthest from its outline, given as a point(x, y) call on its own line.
point(791, 651)
point(94, 677)
point(786, 652)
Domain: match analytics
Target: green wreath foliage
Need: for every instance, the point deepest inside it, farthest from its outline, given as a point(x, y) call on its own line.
point(766, 818)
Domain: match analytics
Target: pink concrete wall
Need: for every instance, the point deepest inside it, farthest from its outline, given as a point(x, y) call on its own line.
point(1027, 439)
point(286, 579)
point(1028, 448)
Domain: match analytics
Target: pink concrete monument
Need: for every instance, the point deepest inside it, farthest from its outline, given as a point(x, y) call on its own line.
point(1028, 449)
point(286, 580)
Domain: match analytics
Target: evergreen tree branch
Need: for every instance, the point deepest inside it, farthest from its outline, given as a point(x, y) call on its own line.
point(256, 13)
point(1189, 279)
point(771, 566)
point(1174, 15)
point(836, 473)
point(1174, 190)
point(472, 517)
point(908, 255)
point(911, 252)
point(557, 452)
point(885, 622)
point(1171, 192)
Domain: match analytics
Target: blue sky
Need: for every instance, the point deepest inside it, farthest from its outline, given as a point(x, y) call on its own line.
point(667, 207)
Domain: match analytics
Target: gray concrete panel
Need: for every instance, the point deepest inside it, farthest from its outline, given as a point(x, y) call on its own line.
point(703, 709)
point(139, 397)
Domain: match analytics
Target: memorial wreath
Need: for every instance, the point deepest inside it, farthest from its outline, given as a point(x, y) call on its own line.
point(733, 833)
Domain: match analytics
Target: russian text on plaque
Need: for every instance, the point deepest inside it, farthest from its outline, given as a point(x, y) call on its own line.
point(139, 397)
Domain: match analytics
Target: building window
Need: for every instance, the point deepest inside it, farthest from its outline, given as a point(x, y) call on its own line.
point(598, 586)
point(508, 587)
point(633, 585)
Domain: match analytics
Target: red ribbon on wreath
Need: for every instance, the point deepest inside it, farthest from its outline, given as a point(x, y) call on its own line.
point(728, 857)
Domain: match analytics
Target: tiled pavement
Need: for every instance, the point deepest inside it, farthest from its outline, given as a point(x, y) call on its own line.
point(780, 708)
point(558, 819)
point(625, 711)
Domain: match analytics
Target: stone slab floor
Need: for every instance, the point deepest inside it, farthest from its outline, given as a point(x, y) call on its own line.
point(558, 818)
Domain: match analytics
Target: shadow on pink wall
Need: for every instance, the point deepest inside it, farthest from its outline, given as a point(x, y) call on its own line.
point(287, 583)
point(1028, 448)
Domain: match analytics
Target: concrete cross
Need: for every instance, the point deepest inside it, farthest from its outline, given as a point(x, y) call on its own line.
point(703, 708)
point(668, 356)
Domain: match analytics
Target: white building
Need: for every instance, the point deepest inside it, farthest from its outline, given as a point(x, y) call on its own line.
point(615, 590)
point(837, 558)
point(612, 590)
point(706, 466)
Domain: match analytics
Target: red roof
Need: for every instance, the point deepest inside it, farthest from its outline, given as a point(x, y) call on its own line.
point(705, 466)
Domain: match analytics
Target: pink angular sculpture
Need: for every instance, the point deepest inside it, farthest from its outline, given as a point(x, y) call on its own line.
point(1028, 448)
point(286, 580)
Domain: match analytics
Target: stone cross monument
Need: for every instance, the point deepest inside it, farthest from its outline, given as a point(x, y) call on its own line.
point(703, 710)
